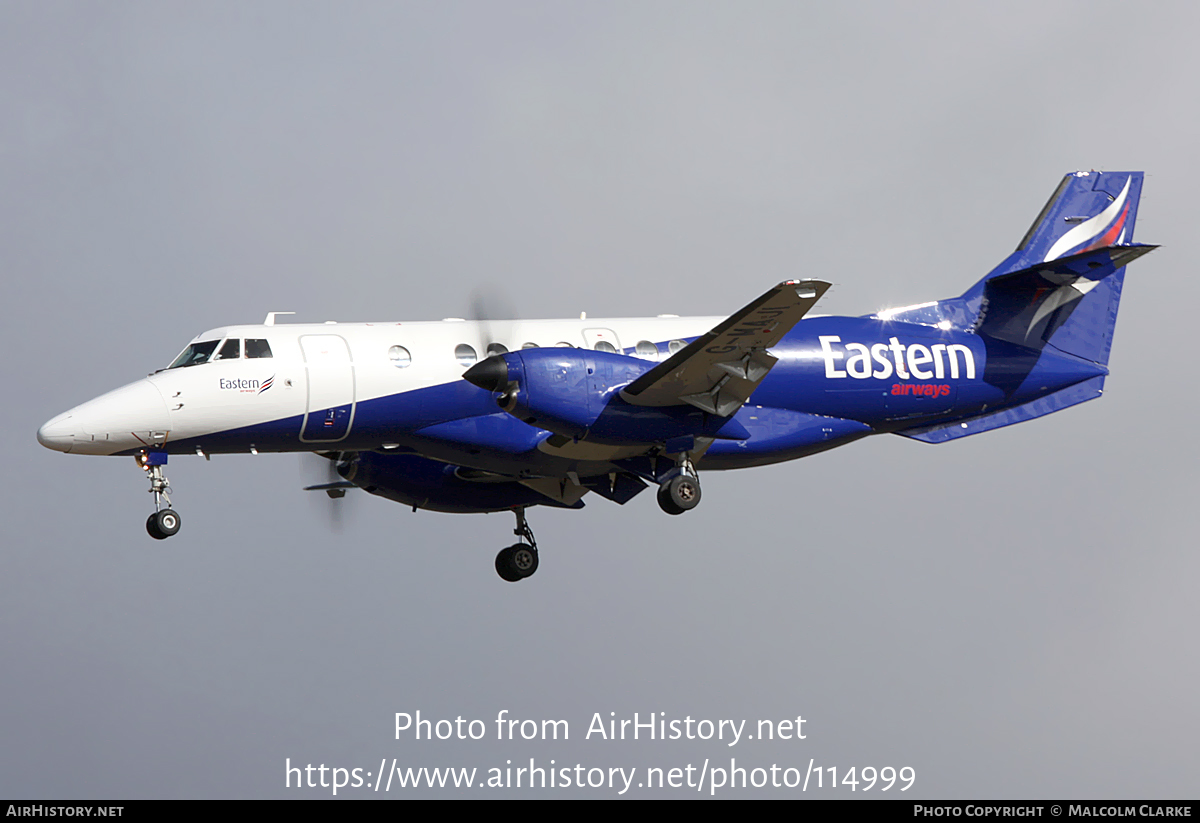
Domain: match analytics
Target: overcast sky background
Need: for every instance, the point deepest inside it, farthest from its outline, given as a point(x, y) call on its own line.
point(1012, 615)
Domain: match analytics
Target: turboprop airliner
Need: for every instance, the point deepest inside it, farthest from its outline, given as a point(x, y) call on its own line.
point(458, 416)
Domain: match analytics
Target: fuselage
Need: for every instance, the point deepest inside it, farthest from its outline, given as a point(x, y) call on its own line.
point(457, 416)
point(397, 387)
point(374, 376)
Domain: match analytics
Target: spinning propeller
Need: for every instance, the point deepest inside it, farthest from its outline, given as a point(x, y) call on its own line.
point(494, 314)
point(335, 468)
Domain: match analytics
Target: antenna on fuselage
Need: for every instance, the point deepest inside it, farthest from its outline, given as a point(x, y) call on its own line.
point(271, 315)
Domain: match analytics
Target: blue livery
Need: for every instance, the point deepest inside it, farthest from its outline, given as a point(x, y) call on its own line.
point(534, 423)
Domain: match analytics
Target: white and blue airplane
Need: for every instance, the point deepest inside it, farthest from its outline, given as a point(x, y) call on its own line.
point(458, 416)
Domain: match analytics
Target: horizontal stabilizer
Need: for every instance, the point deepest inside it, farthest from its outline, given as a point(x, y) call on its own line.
point(1073, 395)
point(1029, 306)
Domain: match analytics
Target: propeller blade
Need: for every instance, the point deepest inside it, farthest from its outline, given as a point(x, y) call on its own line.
point(494, 314)
point(334, 468)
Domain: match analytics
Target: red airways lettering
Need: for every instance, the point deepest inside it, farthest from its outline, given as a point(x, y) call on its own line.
point(922, 389)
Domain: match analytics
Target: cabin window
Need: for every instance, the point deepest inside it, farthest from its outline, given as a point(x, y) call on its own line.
point(400, 357)
point(604, 345)
point(230, 350)
point(195, 354)
point(465, 355)
point(258, 348)
point(646, 349)
point(496, 348)
point(563, 344)
point(676, 345)
point(529, 345)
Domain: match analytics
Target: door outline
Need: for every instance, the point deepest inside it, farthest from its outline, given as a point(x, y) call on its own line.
point(594, 334)
point(308, 401)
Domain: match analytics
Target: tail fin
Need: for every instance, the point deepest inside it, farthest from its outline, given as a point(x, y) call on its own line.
point(1057, 294)
point(1088, 210)
point(1063, 283)
point(1059, 291)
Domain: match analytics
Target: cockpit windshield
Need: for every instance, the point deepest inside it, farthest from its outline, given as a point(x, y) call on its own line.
point(195, 354)
point(231, 349)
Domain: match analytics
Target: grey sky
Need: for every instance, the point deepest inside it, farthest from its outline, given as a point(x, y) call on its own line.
point(1012, 615)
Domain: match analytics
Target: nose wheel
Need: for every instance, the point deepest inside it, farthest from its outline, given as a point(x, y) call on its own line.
point(162, 524)
point(519, 560)
point(165, 521)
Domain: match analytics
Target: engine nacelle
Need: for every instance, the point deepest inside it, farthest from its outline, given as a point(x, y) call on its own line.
point(576, 393)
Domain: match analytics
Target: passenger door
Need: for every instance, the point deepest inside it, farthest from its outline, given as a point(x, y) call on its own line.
point(330, 409)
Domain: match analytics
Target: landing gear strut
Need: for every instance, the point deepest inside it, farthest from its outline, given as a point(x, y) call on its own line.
point(165, 521)
point(519, 560)
point(681, 491)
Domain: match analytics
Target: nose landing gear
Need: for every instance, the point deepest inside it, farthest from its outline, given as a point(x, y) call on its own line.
point(165, 521)
point(519, 560)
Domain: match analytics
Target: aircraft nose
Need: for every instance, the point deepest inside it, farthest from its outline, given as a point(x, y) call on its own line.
point(125, 418)
point(57, 433)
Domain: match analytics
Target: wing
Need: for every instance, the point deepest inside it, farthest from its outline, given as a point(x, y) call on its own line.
point(719, 370)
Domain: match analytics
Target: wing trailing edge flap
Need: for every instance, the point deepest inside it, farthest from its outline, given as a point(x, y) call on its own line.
point(566, 491)
point(563, 491)
point(732, 383)
point(619, 487)
point(719, 370)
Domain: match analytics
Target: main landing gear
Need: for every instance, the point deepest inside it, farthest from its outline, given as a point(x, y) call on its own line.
point(519, 560)
point(165, 521)
point(681, 491)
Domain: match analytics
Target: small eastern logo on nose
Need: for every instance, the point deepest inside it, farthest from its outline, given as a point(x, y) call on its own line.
point(246, 386)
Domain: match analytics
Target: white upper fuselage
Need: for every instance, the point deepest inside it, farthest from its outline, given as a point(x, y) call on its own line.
point(314, 367)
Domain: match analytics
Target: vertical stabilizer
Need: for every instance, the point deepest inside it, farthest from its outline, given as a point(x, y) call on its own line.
point(1087, 211)
point(1051, 306)
point(1062, 285)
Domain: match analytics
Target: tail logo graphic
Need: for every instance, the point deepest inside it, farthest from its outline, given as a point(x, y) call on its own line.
point(1102, 230)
